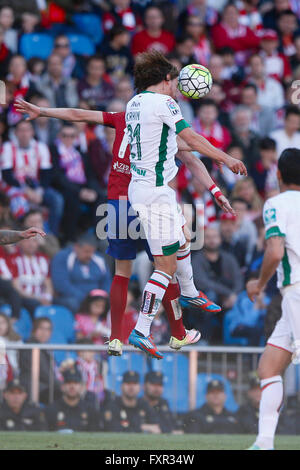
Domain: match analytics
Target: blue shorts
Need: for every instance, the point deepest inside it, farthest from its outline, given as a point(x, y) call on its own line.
point(121, 245)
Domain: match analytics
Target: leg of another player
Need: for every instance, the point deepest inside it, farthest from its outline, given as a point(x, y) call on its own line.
point(155, 289)
point(118, 300)
point(271, 367)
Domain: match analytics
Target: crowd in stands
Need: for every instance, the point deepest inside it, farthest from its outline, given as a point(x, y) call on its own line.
point(54, 174)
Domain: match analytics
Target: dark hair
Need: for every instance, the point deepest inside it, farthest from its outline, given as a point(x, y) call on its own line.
point(286, 12)
point(38, 321)
point(151, 68)
point(267, 144)
point(87, 239)
point(289, 166)
point(184, 37)
point(4, 200)
point(207, 102)
point(95, 57)
point(250, 86)
point(226, 50)
point(88, 300)
point(292, 109)
point(117, 30)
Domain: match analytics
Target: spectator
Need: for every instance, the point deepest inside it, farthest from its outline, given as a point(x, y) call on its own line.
point(264, 171)
point(289, 136)
point(91, 371)
point(227, 177)
point(270, 18)
point(91, 321)
point(229, 32)
point(230, 241)
point(77, 270)
point(287, 25)
point(295, 58)
point(116, 52)
point(248, 413)
point(95, 87)
point(153, 390)
point(36, 68)
point(124, 90)
point(218, 95)
point(216, 272)
point(74, 179)
point(27, 170)
point(59, 90)
point(250, 15)
point(184, 50)
point(246, 228)
point(71, 411)
point(207, 125)
point(72, 65)
point(29, 22)
point(7, 20)
point(213, 417)
point(48, 383)
point(195, 27)
point(17, 413)
point(121, 13)
point(199, 9)
point(269, 91)
point(243, 136)
point(128, 413)
point(48, 245)
point(9, 336)
point(231, 70)
point(277, 65)
point(245, 189)
point(5, 55)
point(153, 36)
point(31, 275)
point(262, 120)
point(45, 129)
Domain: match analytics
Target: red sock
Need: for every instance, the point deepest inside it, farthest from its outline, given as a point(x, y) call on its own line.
point(177, 328)
point(118, 300)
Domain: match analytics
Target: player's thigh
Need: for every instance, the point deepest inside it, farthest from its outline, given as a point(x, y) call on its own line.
point(167, 264)
point(123, 267)
point(274, 361)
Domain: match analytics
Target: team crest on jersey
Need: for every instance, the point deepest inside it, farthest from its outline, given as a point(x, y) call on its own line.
point(270, 216)
point(172, 107)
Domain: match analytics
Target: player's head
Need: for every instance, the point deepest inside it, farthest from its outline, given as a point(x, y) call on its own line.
point(289, 167)
point(152, 68)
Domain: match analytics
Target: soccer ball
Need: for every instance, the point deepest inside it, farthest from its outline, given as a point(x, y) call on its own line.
point(194, 81)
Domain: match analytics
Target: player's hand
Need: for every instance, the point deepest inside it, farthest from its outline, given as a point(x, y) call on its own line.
point(236, 166)
point(253, 289)
point(224, 204)
point(31, 232)
point(30, 109)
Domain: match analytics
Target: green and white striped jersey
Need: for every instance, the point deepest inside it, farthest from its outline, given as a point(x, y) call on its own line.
point(282, 218)
point(152, 122)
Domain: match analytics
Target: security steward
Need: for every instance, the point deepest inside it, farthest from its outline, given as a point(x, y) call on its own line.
point(248, 413)
point(17, 413)
point(153, 390)
point(72, 412)
point(128, 412)
point(212, 417)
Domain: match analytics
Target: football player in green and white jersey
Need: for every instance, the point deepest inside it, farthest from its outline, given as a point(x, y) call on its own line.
point(282, 223)
point(153, 119)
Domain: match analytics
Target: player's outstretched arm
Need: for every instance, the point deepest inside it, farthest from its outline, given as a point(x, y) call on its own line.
point(14, 236)
point(274, 253)
point(66, 114)
point(201, 145)
point(198, 169)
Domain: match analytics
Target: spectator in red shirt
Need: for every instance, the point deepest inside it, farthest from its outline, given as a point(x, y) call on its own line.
point(232, 34)
point(249, 14)
point(277, 65)
point(207, 125)
point(195, 27)
point(123, 14)
point(153, 36)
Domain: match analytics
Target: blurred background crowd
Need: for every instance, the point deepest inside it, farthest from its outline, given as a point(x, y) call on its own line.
point(81, 53)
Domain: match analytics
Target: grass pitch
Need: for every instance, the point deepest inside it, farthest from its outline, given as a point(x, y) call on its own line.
point(111, 441)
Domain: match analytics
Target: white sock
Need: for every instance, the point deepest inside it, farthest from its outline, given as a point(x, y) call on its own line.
point(153, 294)
point(269, 410)
point(184, 272)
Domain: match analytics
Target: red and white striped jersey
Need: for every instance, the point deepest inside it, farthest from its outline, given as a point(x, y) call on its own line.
point(31, 271)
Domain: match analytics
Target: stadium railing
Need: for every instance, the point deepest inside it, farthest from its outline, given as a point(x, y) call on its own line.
point(185, 373)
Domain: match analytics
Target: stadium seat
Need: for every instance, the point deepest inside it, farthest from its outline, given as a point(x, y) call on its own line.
point(90, 25)
point(175, 369)
point(202, 381)
point(81, 44)
point(23, 326)
point(227, 338)
point(36, 45)
point(118, 365)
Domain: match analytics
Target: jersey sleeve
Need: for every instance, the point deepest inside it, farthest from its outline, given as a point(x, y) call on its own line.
point(170, 113)
point(274, 220)
point(109, 119)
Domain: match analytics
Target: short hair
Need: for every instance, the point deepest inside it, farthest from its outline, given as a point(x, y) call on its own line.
point(292, 109)
point(289, 166)
point(117, 30)
point(250, 86)
point(207, 102)
point(151, 68)
point(87, 239)
point(267, 144)
point(184, 37)
point(95, 57)
point(286, 12)
point(38, 321)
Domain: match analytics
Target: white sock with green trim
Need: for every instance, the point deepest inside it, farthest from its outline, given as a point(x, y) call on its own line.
point(153, 294)
point(269, 410)
point(184, 272)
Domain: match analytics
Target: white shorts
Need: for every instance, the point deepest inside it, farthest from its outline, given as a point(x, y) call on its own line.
point(287, 329)
point(160, 215)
